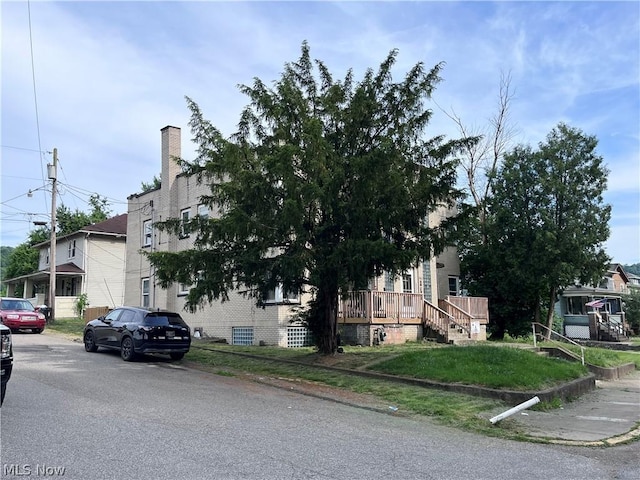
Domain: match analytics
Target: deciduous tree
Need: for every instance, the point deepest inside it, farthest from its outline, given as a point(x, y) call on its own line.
point(546, 228)
point(69, 221)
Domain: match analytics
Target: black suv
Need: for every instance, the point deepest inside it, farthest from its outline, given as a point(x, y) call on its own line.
point(6, 358)
point(134, 330)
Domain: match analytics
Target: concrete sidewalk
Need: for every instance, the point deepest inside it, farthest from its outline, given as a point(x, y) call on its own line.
point(608, 415)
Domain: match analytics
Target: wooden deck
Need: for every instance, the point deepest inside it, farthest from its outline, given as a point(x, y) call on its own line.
point(459, 317)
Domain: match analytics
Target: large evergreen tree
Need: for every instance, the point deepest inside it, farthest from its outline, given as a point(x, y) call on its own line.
point(325, 184)
point(548, 223)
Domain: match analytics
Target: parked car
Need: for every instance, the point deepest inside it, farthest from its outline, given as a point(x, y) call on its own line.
point(134, 330)
point(19, 314)
point(6, 359)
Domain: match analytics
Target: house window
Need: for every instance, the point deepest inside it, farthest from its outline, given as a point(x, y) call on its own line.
point(576, 305)
point(71, 248)
point(145, 292)
point(203, 211)
point(183, 289)
point(70, 287)
point(407, 283)
point(147, 233)
point(242, 335)
point(388, 282)
point(184, 226)
point(46, 256)
point(277, 296)
point(454, 286)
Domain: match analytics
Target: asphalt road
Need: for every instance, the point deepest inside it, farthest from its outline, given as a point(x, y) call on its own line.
point(77, 415)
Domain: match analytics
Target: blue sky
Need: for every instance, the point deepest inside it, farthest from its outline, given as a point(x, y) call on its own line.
point(110, 75)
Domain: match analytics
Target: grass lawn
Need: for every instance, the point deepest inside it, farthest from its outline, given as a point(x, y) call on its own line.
point(604, 357)
point(489, 366)
point(70, 326)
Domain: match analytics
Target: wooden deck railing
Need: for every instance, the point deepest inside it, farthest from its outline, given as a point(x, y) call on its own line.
point(437, 318)
point(459, 317)
point(373, 307)
point(477, 307)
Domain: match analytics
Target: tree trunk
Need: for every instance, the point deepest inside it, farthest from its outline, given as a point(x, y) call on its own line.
point(327, 340)
point(552, 302)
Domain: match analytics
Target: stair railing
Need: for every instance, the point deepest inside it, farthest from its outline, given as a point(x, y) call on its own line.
point(552, 332)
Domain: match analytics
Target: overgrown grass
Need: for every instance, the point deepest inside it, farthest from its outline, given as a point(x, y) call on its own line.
point(605, 357)
point(489, 366)
point(69, 326)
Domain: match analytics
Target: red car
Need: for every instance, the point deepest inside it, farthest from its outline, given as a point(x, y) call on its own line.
point(19, 314)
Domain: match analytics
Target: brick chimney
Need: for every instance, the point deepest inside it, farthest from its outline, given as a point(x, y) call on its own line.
point(170, 169)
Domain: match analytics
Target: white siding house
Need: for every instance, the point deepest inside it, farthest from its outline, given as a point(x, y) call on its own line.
point(90, 261)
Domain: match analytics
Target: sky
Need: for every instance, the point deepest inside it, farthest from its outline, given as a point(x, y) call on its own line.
point(98, 80)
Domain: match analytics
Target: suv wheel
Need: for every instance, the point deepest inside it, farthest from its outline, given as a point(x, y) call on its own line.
point(126, 349)
point(90, 342)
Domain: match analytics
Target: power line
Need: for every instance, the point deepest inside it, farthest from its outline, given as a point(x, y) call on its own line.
point(21, 195)
point(25, 149)
point(35, 95)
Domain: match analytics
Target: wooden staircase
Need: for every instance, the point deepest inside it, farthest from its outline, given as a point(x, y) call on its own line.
point(447, 323)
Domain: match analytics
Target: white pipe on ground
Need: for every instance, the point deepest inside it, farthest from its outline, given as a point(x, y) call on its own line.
point(516, 409)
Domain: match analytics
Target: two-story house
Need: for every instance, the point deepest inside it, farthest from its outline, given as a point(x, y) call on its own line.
point(399, 305)
point(89, 261)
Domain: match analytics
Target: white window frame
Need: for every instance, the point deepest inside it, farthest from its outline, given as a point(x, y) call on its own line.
point(185, 216)
point(145, 287)
point(407, 282)
point(71, 249)
point(183, 289)
point(456, 291)
point(203, 211)
point(147, 233)
point(276, 296)
point(389, 281)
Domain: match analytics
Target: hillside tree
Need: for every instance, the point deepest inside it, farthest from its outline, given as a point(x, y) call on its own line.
point(325, 184)
point(24, 258)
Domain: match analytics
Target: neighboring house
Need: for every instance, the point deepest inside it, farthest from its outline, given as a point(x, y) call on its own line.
point(404, 306)
point(634, 282)
point(89, 261)
point(595, 312)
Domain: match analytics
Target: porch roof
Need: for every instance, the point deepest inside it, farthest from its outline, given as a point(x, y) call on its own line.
point(66, 269)
point(590, 292)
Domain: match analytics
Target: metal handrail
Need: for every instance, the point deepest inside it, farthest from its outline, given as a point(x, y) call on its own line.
point(533, 326)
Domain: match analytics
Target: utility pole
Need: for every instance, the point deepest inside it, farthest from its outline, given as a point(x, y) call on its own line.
point(52, 170)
